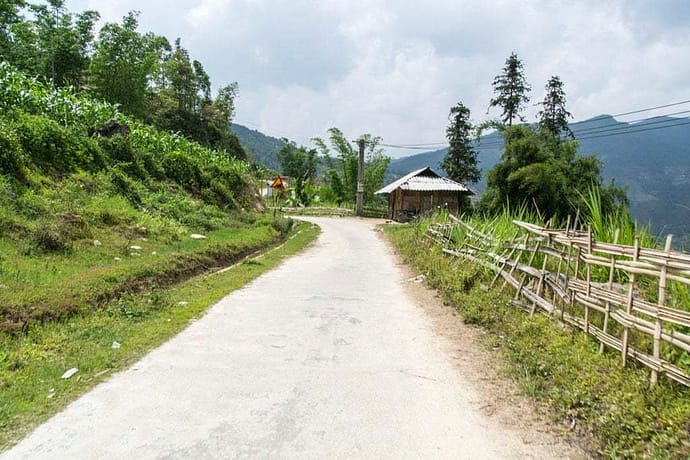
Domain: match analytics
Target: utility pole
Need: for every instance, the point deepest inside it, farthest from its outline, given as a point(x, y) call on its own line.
point(360, 179)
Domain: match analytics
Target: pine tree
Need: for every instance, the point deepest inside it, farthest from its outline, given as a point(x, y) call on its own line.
point(554, 117)
point(461, 160)
point(510, 90)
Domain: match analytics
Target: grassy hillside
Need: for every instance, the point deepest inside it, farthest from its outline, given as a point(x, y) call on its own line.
point(83, 219)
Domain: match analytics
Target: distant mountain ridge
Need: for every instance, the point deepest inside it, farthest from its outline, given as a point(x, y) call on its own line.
point(651, 158)
point(261, 148)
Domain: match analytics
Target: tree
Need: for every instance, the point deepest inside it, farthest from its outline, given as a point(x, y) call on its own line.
point(225, 102)
point(341, 172)
point(461, 160)
point(124, 64)
point(300, 164)
point(554, 117)
point(10, 16)
point(64, 44)
point(547, 177)
point(510, 90)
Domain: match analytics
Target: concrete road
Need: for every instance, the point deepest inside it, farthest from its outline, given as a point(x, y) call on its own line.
point(324, 357)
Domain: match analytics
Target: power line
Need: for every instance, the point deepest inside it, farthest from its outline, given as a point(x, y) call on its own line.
point(587, 131)
point(623, 131)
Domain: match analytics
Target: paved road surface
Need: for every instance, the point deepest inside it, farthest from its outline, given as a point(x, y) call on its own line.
point(324, 357)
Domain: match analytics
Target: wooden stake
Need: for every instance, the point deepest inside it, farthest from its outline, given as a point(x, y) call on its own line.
point(628, 307)
point(660, 304)
point(612, 269)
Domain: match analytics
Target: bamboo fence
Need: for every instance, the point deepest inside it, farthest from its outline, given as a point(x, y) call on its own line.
point(618, 294)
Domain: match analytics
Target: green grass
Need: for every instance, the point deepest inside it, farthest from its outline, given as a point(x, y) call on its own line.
point(32, 363)
point(586, 390)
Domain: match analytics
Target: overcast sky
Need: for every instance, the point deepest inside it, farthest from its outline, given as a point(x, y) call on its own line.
point(394, 68)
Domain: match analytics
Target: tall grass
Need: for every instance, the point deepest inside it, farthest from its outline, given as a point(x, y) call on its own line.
point(606, 225)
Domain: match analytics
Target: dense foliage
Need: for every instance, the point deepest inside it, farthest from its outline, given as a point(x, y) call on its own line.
point(142, 73)
point(543, 173)
point(341, 172)
point(44, 134)
point(299, 163)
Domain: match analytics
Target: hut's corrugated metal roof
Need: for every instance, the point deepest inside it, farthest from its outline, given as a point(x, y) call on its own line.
point(425, 180)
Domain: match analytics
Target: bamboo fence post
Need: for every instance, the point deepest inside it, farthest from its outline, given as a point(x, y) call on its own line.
point(589, 276)
point(516, 263)
point(576, 275)
point(567, 267)
point(505, 262)
point(628, 307)
point(612, 269)
point(660, 304)
point(542, 275)
point(525, 275)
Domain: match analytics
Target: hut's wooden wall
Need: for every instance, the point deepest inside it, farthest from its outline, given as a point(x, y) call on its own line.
point(404, 202)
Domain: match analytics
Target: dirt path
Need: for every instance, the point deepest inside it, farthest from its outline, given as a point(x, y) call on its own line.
point(328, 356)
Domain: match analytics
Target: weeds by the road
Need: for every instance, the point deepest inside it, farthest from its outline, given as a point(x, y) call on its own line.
point(102, 341)
point(591, 393)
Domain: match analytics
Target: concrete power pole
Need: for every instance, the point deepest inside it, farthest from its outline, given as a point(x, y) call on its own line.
point(359, 211)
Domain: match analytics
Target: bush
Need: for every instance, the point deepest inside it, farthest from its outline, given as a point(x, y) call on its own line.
point(56, 149)
point(185, 170)
point(126, 186)
point(12, 158)
point(48, 236)
point(32, 205)
point(134, 161)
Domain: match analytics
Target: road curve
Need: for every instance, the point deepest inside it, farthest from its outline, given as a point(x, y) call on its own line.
point(324, 357)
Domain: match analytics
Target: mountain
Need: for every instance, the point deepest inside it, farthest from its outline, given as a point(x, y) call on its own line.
point(650, 158)
point(261, 147)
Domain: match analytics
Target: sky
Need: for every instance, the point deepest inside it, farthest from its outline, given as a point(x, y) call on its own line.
point(394, 68)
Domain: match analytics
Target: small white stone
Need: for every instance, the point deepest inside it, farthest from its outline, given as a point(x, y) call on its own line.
point(115, 345)
point(154, 253)
point(196, 236)
point(117, 259)
point(135, 248)
point(97, 243)
point(182, 303)
point(51, 393)
point(69, 373)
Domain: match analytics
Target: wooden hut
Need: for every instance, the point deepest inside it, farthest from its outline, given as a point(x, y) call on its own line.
point(421, 191)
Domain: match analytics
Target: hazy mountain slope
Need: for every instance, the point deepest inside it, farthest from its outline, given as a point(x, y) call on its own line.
point(650, 158)
point(262, 148)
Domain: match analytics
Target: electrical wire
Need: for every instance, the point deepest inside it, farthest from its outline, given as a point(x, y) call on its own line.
point(595, 132)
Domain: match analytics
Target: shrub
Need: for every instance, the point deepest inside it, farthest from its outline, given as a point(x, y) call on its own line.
point(32, 205)
point(134, 161)
point(48, 236)
point(53, 148)
point(184, 169)
point(125, 185)
point(12, 158)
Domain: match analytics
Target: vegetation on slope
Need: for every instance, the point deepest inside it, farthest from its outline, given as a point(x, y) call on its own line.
point(98, 234)
point(590, 393)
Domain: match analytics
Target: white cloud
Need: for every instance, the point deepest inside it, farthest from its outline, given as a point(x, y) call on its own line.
point(394, 67)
